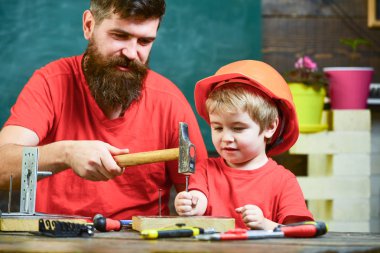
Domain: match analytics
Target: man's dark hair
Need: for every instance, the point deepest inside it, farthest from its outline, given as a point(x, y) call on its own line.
point(137, 9)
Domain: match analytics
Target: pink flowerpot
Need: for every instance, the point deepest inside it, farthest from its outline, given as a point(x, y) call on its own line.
point(349, 86)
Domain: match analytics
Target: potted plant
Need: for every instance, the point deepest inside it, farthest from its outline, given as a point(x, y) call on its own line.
point(308, 87)
point(349, 86)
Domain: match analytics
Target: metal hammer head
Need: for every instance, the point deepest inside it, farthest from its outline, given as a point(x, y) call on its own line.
point(186, 160)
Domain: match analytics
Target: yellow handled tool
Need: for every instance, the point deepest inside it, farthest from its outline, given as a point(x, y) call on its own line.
point(173, 232)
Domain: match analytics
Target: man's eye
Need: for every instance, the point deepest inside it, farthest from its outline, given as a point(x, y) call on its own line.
point(119, 36)
point(145, 42)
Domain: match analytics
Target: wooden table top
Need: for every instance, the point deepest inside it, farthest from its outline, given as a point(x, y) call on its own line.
point(130, 241)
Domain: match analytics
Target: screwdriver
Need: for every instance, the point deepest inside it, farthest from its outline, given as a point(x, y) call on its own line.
point(105, 224)
point(179, 231)
point(302, 230)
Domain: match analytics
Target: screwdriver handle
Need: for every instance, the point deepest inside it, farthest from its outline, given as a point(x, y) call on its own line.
point(171, 233)
point(303, 229)
point(103, 224)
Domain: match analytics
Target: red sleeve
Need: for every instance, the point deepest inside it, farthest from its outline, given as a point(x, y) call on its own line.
point(198, 181)
point(292, 202)
point(33, 108)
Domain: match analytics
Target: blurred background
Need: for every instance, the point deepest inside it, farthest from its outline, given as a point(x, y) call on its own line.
point(196, 38)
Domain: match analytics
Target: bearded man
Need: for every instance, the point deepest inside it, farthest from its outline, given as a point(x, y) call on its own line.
point(83, 110)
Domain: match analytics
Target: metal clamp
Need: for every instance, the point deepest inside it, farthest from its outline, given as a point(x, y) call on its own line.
point(29, 180)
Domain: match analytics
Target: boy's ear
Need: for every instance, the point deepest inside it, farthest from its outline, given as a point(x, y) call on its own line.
point(271, 129)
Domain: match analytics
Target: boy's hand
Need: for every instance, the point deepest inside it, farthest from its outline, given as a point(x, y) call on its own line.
point(254, 218)
point(185, 204)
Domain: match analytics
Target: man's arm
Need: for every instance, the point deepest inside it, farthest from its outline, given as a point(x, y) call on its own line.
point(92, 160)
point(12, 140)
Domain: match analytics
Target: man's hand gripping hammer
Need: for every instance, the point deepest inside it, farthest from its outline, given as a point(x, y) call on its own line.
point(185, 154)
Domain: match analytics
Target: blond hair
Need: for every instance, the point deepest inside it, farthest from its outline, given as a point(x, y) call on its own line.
point(236, 97)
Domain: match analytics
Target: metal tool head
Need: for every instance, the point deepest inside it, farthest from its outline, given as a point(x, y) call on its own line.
point(186, 160)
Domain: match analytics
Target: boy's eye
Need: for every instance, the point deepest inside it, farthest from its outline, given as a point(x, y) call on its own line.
point(238, 129)
point(218, 129)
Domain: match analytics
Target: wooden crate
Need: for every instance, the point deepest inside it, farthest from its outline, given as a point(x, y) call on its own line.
point(341, 188)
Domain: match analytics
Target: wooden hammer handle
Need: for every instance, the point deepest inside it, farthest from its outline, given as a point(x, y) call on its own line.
point(163, 155)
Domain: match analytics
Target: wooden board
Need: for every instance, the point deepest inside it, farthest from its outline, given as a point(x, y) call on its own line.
point(351, 120)
point(335, 187)
point(331, 142)
point(220, 224)
point(30, 223)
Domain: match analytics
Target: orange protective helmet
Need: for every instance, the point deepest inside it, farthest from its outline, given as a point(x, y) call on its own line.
point(265, 78)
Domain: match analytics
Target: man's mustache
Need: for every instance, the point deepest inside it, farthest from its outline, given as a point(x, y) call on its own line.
point(124, 62)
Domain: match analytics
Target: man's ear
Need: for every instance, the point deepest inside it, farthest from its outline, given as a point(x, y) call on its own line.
point(88, 24)
point(271, 129)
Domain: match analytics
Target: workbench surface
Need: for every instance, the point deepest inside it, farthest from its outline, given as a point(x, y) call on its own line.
point(129, 241)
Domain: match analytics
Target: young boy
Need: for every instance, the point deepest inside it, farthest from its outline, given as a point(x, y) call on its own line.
point(252, 116)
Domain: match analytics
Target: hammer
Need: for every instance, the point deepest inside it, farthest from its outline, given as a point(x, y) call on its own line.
point(185, 154)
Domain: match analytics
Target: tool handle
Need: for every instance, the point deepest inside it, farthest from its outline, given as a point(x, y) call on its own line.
point(228, 236)
point(104, 224)
point(162, 155)
point(175, 233)
point(168, 233)
point(303, 229)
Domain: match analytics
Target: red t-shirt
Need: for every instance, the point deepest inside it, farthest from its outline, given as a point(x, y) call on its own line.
point(272, 188)
point(57, 105)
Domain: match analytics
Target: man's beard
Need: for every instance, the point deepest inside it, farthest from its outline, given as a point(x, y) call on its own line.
point(113, 88)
